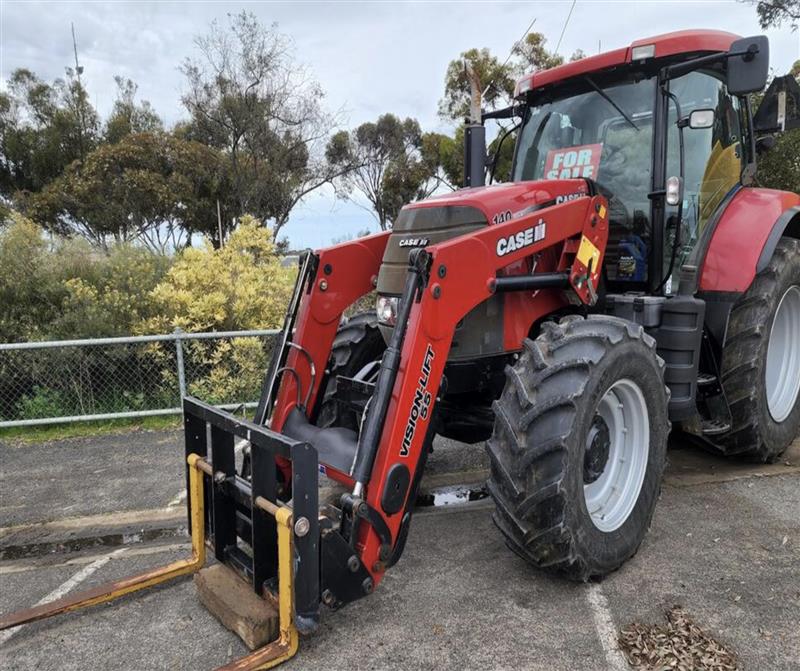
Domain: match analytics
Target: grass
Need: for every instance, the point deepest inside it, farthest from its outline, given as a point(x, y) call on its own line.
point(41, 434)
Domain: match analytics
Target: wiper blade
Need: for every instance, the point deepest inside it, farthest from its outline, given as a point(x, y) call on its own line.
point(611, 102)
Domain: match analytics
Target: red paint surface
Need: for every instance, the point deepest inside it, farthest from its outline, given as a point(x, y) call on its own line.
point(514, 197)
point(740, 235)
point(669, 44)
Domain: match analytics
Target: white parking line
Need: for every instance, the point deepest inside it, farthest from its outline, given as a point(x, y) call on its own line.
point(66, 587)
point(606, 631)
point(180, 498)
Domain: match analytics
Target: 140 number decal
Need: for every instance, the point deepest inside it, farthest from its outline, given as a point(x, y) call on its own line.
point(501, 217)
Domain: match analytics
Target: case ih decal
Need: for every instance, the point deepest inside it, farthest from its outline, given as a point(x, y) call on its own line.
point(570, 196)
point(522, 239)
point(422, 402)
point(573, 162)
point(414, 242)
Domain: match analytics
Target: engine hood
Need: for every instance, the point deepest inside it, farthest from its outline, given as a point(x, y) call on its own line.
point(431, 221)
point(500, 202)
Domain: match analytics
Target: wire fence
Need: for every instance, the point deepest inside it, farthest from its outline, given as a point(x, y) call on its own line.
point(110, 378)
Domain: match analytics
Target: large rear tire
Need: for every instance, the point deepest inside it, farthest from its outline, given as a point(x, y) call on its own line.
point(761, 361)
point(579, 446)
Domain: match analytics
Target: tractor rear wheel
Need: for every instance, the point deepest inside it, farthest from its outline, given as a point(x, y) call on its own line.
point(358, 343)
point(579, 445)
point(761, 361)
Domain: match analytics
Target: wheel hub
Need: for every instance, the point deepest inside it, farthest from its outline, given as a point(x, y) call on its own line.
point(617, 450)
point(783, 357)
point(598, 447)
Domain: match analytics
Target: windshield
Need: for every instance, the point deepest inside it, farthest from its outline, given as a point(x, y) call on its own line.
point(605, 135)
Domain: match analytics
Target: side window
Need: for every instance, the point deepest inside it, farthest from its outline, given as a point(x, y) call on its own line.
point(713, 159)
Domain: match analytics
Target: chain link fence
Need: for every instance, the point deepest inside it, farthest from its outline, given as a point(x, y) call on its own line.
point(110, 378)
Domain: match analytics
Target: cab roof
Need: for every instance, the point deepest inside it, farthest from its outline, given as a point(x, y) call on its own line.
point(668, 44)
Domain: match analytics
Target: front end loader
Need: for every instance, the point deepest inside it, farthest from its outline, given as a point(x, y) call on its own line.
point(568, 317)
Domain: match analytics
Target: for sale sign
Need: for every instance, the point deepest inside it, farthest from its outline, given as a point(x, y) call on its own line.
point(573, 162)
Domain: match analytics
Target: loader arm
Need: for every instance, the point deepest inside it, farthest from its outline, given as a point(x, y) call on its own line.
point(462, 274)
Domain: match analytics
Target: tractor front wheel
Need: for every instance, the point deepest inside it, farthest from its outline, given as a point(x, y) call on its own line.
point(579, 446)
point(358, 343)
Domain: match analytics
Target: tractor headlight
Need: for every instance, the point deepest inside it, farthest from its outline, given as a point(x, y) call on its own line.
point(387, 310)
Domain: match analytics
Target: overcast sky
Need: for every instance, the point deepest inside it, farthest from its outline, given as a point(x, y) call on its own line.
point(370, 57)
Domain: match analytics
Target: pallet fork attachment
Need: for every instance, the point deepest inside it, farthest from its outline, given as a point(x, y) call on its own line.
point(272, 654)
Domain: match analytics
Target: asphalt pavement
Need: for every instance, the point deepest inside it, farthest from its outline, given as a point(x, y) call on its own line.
point(725, 545)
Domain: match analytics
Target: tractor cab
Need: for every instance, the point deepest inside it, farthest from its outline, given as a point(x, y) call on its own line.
point(634, 121)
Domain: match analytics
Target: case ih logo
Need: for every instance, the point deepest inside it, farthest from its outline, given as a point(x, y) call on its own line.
point(522, 239)
point(414, 242)
point(422, 403)
point(573, 162)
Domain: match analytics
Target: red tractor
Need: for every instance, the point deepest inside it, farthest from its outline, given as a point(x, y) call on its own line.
point(627, 279)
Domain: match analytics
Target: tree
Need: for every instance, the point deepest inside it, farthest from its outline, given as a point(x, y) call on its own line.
point(250, 99)
point(532, 55)
point(150, 187)
point(496, 82)
point(387, 162)
point(779, 168)
point(451, 158)
point(577, 55)
point(43, 128)
point(127, 117)
point(773, 13)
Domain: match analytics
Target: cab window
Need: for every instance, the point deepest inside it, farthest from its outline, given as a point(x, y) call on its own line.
point(713, 160)
point(609, 139)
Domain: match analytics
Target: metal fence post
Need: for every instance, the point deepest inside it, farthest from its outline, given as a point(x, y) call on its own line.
point(179, 359)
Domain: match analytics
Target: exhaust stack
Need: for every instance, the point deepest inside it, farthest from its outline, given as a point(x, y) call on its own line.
point(474, 135)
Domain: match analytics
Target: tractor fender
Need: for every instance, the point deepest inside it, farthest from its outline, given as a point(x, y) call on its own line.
point(788, 224)
point(744, 235)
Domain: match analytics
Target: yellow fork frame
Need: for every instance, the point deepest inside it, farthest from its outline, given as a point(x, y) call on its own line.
point(272, 654)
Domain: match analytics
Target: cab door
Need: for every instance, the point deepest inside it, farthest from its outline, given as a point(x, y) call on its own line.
point(713, 163)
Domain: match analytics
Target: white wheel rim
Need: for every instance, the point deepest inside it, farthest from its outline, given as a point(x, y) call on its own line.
point(611, 498)
point(783, 357)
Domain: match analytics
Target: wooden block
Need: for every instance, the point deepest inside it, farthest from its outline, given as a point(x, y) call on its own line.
point(234, 603)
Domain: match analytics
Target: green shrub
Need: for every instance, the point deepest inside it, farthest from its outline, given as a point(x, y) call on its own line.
point(31, 294)
point(54, 289)
point(43, 402)
point(779, 168)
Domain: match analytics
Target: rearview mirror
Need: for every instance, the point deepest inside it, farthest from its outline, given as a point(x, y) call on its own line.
point(748, 65)
point(701, 119)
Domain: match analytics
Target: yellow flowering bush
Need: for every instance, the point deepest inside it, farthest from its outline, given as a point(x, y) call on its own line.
point(240, 286)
